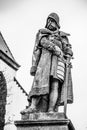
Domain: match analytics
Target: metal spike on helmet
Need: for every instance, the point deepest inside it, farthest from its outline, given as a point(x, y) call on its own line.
point(55, 17)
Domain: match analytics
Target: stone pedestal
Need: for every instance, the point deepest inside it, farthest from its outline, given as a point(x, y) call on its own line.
point(44, 121)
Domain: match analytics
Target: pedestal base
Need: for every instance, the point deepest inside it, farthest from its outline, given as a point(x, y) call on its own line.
point(55, 121)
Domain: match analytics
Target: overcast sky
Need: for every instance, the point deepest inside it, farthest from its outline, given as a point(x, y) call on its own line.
point(19, 23)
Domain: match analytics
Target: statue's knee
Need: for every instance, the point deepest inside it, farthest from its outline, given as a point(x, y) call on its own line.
point(55, 84)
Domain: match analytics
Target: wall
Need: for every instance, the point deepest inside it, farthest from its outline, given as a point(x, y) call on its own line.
point(14, 95)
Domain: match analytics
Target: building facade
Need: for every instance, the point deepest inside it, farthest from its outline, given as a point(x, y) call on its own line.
point(16, 98)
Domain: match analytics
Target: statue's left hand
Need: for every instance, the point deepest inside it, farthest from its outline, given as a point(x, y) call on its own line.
point(58, 51)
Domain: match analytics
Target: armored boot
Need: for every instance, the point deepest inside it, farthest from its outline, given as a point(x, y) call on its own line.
point(31, 108)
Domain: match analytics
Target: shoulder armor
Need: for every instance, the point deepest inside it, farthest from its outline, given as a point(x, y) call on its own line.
point(44, 31)
point(64, 34)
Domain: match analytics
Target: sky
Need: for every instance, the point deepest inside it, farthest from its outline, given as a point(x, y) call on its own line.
point(19, 22)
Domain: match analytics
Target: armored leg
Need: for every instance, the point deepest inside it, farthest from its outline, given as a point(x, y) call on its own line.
point(53, 95)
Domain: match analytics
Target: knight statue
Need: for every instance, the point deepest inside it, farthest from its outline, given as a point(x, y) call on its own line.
point(51, 68)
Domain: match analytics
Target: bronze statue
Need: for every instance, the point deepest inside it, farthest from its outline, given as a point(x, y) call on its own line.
point(51, 68)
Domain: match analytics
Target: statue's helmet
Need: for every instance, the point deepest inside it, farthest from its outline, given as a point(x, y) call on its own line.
point(55, 17)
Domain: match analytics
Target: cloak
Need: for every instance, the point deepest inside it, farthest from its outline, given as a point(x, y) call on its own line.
point(41, 62)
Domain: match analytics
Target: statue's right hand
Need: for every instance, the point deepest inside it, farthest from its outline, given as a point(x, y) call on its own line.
point(33, 70)
point(57, 49)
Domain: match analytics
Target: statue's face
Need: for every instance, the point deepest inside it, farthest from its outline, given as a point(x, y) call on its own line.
point(51, 24)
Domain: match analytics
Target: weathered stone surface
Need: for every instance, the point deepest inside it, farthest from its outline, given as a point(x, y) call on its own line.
point(43, 116)
point(44, 121)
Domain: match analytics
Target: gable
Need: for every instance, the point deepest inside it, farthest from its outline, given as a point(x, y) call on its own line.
point(4, 48)
point(6, 55)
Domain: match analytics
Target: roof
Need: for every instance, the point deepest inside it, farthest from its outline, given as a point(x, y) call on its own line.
point(6, 55)
point(21, 88)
